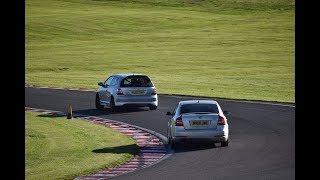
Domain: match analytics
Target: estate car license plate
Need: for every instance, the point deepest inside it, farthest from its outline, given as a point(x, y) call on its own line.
point(200, 123)
point(137, 92)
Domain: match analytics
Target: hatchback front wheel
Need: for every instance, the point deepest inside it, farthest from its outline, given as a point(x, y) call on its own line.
point(98, 105)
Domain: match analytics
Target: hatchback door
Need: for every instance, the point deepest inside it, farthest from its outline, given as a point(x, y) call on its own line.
point(104, 92)
point(200, 121)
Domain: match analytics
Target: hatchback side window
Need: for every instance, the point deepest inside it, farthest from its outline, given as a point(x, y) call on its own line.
point(108, 81)
point(125, 82)
point(114, 81)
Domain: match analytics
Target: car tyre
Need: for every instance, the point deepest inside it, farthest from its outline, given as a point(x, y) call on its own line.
point(225, 143)
point(171, 144)
point(153, 107)
point(98, 105)
point(113, 107)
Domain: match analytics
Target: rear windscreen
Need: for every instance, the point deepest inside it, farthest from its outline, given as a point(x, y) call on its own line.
point(136, 81)
point(194, 108)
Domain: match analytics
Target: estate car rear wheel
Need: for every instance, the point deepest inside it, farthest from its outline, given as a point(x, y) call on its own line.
point(224, 144)
point(153, 107)
point(171, 143)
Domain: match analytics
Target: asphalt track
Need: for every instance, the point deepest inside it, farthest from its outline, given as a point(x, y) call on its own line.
point(262, 137)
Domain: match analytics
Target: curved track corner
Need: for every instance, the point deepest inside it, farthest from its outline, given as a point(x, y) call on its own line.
point(151, 144)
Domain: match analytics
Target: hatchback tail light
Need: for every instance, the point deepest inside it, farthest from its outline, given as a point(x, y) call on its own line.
point(221, 121)
point(119, 92)
point(179, 121)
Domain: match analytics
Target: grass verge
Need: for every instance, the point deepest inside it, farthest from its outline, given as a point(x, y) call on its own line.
point(57, 148)
point(240, 49)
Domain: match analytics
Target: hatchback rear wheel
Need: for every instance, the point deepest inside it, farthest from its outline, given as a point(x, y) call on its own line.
point(113, 107)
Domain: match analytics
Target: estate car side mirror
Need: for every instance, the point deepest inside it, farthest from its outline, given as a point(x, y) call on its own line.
point(169, 113)
point(226, 112)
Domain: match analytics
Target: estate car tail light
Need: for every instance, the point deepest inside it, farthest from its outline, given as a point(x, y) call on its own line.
point(221, 120)
point(154, 92)
point(119, 92)
point(179, 121)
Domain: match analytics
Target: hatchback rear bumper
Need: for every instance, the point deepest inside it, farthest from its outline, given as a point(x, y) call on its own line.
point(138, 101)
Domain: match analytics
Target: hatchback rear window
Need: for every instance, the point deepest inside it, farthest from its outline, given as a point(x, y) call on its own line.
point(196, 108)
point(136, 81)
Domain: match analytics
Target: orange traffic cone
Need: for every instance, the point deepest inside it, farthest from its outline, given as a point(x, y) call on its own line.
point(69, 116)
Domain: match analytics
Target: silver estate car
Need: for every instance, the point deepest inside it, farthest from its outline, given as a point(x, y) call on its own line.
point(198, 120)
point(120, 90)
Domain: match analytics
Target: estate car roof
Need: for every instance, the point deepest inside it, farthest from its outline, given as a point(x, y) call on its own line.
point(198, 101)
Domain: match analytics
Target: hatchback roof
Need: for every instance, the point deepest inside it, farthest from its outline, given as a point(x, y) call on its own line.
point(198, 101)
point(125, 75)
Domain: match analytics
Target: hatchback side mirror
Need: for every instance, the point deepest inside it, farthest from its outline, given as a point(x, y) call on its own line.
point(101, 84)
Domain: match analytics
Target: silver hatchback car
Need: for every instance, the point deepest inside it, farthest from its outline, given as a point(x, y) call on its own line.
point(198, 120)
point(120, 90)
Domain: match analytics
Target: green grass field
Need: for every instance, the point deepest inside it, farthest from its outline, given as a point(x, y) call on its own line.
point(57, 148)
point(239, 49)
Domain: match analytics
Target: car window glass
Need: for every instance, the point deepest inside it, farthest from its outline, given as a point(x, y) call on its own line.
point(108, 81)
point(136, 81)
point(176, 109)
point(114, 81)
point(194, 108)
point(126, 82)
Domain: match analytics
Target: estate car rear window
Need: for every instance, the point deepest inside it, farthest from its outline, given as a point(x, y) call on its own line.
point(199, 108)
point(136, 81)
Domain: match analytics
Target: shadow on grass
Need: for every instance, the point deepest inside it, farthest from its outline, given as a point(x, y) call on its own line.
point(97, 112)
point(91, 112)
point(51, 115)
point(130, 149)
